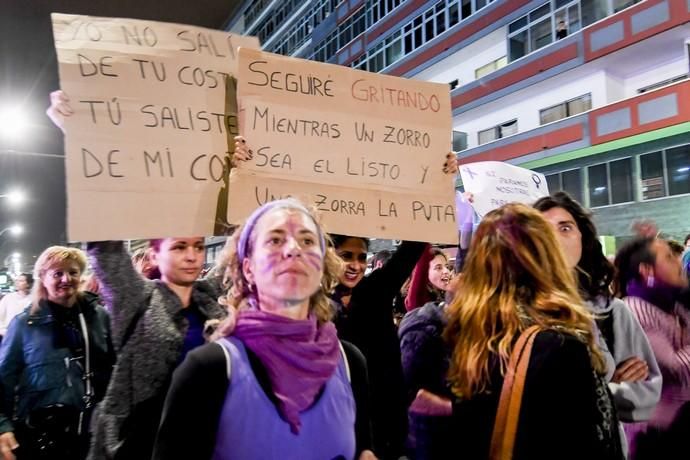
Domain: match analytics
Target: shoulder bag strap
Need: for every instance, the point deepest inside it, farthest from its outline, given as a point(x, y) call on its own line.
point(508, 413)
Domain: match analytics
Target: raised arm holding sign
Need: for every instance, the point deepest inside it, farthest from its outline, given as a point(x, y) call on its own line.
point(494, 183)
point(154, 116)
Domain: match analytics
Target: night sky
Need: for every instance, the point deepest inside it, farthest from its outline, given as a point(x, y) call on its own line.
point(33, 162)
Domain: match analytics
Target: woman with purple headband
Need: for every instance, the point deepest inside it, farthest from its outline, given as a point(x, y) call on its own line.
point(281, 386)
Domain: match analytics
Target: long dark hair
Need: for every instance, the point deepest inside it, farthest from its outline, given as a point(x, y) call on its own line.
point(628, 261)
point(594, 271)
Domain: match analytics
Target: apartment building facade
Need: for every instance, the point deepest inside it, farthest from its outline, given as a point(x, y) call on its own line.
point(593, 93)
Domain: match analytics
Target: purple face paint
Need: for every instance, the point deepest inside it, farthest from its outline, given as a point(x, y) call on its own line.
point(285, 262)
point(244, 242)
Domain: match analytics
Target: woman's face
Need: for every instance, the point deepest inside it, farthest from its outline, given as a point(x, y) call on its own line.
point(667, 267)
point(439, 275)
point(353, 252)
point(568, 234)
point(62, 282)
point(286, 264)
point(21, 284)
point(180, 260)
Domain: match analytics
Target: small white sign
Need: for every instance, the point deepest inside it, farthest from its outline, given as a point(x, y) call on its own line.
point(494, 183)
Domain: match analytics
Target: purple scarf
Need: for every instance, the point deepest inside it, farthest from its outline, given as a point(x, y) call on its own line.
point(299, 357)
point(661, 295)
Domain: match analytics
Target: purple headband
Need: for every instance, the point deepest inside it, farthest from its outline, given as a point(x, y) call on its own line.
point(287, 203)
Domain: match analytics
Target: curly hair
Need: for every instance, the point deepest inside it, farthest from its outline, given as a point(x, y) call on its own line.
point(594, 271)
point(515, 276)
point(319, 303)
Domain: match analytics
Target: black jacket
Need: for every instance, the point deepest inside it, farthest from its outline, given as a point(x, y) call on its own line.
point(367, 322)
point(566, 410)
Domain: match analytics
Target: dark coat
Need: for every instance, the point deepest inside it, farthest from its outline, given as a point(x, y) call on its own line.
point(566, 411)
point(425, 357)
point(368, 324)
point(132, 406)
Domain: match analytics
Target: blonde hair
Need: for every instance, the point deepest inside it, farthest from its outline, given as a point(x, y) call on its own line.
point(319, 302)
point(515, 276)
point(54, 255)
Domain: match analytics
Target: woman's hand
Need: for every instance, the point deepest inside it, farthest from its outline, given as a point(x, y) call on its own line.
point(427, 403)
point(242, 151)
point(7, 444)
point(451, 164)
point(631, 370)
point(59, 108)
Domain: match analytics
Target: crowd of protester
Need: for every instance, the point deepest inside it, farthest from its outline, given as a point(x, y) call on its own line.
point(531, 344)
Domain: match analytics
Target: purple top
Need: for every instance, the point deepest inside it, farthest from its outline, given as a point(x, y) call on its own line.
point(195, 333)
point(251, 428)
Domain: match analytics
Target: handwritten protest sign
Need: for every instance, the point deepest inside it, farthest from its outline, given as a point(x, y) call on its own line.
point(147, 146)
point(366, 149)
point(494, 184)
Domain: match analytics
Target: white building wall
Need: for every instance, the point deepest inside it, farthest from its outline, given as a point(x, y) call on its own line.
point(615, 88)
point(461, 65)
point(526, 103)
point(663, 72)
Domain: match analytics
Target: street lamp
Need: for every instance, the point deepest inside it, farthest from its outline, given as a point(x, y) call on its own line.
point(14, 197)
point(13, 122)
point(15, 230)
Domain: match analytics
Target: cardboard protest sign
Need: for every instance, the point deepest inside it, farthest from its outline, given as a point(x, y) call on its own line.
point(494, 184)
point(147, 147)
point(366, 149)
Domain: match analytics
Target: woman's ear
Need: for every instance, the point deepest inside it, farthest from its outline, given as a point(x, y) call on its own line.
point(646, 271)
point(247, 271)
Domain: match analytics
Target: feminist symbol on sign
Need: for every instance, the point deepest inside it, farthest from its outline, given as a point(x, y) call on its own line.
point(536, 179)
point(470, 172)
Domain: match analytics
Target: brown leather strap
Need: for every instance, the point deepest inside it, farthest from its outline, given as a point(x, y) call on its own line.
point(508, 413)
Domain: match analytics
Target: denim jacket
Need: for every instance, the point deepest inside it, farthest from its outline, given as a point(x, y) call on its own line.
point(37, 373)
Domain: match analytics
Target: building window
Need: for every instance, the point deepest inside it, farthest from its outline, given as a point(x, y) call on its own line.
point(610, 183)
point(497, 132)
point(378, 9)
point(419, 30)
point(459, 141)
point(555, 20)
point(652, 182)
point(350, 29)
point(665, 173)
point(566, 181)
point(662, 83)
point(531, 32)
point(566, 109)
point(254, 10)
point(490, 67)
point(298, 33)
point(678, 168)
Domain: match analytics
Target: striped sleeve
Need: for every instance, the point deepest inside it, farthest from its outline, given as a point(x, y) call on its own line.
point(666, 337)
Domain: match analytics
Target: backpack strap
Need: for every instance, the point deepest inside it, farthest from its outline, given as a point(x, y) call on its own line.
point(347, 363)
point(223, 343)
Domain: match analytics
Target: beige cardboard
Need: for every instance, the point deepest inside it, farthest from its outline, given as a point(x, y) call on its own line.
point(342, 136)
point(147, 146)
